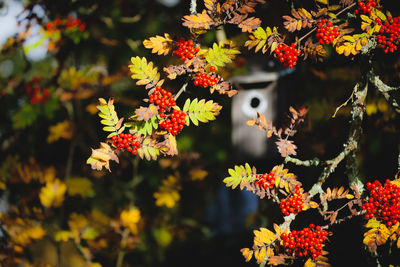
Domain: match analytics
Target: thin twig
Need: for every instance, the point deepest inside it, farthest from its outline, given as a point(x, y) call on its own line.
point(183, 88)
point(121, 252)
point(193, 6)
point(337, 14)
point(344, 104)
point(351, 144)
point(306, 163)
point(385, 90)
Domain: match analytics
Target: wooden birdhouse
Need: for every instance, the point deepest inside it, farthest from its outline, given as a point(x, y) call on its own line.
point(262, 90)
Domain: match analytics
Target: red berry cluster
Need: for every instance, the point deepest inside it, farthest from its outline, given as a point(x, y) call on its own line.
point(175, 122)
point(35, 93)
point(70, 23)
point(162, 99)
point(267, 180)
point(204, 80)
point(306, 242)
point(293, 204)
point(185, 49)
point(325, 32)
point(287, 54)
point(383, 203)
point(389, 37)
point(128, 142)
point(365, 9)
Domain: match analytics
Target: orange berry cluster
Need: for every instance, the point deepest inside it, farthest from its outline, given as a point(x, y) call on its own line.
point(267, 180)
point(175, 122)
point(389, 37)
point(325, 32)
point(293, 204)
point(35, 93)
point(383, 203)
point(365, 9)
point(305, 243)
point(70, 23)
point(204, 80)
point(185, 49)
point(287, 54)
point(163, 99)
point(128, 142)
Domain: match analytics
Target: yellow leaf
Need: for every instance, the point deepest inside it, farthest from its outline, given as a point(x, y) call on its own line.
point(325, 2)
point(63, 129)
point(260, 255)
point(158, 44)
point(381, 15)
point(373, 223)
point(198, 174)
point(270, 252)
point(366, 19)
point(310, 263)
point(340, 49)
point(313, 204)
point(398, 242)
point(36, 232)
point(287, 187)
point(52, 195)
point(92, 108)
point(129, 218)
point(63, 236)
point(364, 41)
point(347, 50)
point(393, 229)
point(247, 253)
point(396, 182)
point(278, 230)
point(268, 235)
point(79, 186)
point(358, 45)
point(349, 38)
point(277, 181)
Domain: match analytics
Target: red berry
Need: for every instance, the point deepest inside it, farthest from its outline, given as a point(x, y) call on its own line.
point(185, 49)
point(287, 54)
point(383, 202)
point(123, 141)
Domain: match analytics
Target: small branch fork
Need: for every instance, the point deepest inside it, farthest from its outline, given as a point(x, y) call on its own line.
point(349, 151)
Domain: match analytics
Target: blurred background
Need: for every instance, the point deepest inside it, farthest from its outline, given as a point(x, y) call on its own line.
point(50, 82)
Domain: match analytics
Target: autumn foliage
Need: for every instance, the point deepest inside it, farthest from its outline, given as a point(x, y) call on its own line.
point(150, 131)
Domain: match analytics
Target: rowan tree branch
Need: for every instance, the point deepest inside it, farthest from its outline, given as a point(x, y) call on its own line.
point(391, 94)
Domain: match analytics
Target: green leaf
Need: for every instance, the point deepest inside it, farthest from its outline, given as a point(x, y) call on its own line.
point(144, 72)
point(107, 122)
point(381, 15)
point(221, 53)
point(373, 223)
point(90, 233)
point(201, 111)
point(142, 128)
point(238, 175)
point(109, 129)
point(148, 150)
point(108, 115)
